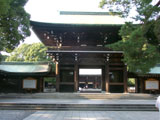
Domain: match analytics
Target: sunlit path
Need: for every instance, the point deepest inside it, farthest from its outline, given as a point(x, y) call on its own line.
point(92, 115)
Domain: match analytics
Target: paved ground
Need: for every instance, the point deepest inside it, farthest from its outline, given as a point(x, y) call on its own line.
point(14, 114)
point(92, 115)
point(76, 115)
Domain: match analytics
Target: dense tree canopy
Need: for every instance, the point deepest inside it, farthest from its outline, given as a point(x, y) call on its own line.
point(14, 24)
point(140, 42)
point(3, 57)
point(29, 53)
point(4, 6)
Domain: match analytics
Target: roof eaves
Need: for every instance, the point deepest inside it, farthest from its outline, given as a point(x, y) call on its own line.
point(44, 24)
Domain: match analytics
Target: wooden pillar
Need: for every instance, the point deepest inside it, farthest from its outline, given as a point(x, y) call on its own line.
point(93, 82)
point(141, 85)
point(76, 73)
point(41, 84)
point(57, 77)
point(20, 86)
point(86, 82)
point(107, 77)
point(136, 85)
point(103, 79)
point(125, 78)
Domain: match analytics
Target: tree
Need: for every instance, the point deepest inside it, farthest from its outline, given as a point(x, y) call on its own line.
point(3, 57)
point(14, 24)
point(140, 42)
point(29, 53)
point(131, 82)
point(4, 6)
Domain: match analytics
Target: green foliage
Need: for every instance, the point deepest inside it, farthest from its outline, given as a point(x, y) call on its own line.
point(50, 80)
point(4, 6)
point(0, 57)
point(131, 82)
point(3, 57)
point(144, 8)
point(156, 30)
point(140, 43)
point(14, 24)
point(29, 53)
point(52, 67)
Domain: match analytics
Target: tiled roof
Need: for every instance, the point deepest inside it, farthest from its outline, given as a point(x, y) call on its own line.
point(16, 67)
point(155, 70)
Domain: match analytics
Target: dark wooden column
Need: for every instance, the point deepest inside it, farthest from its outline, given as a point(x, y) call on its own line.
point(136, 85)
point(141, 85)
point(103, 79)
point(76, 73)
point(20, 86)
point(107, 76)
point(125, 78)
point(57, 77)
point(41, 85)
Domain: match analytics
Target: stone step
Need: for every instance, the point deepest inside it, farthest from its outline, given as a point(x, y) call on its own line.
point(80, 96)
point(84, 107)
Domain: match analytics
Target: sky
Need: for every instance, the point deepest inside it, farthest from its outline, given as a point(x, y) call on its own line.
point(90, 71)
point(47, 10)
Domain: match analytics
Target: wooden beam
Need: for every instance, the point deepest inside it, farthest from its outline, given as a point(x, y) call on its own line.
point(116, 68)
point(83, 51)
point(66, 83)
point(116, 64)
point(116, 83)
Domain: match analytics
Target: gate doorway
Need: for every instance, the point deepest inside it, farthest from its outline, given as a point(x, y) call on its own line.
point(90, 80)
point(49, 84)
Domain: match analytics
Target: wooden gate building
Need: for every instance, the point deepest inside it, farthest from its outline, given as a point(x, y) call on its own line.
point(75, 46)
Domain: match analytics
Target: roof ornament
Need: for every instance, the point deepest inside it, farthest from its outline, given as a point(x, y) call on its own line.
point(76, 57)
